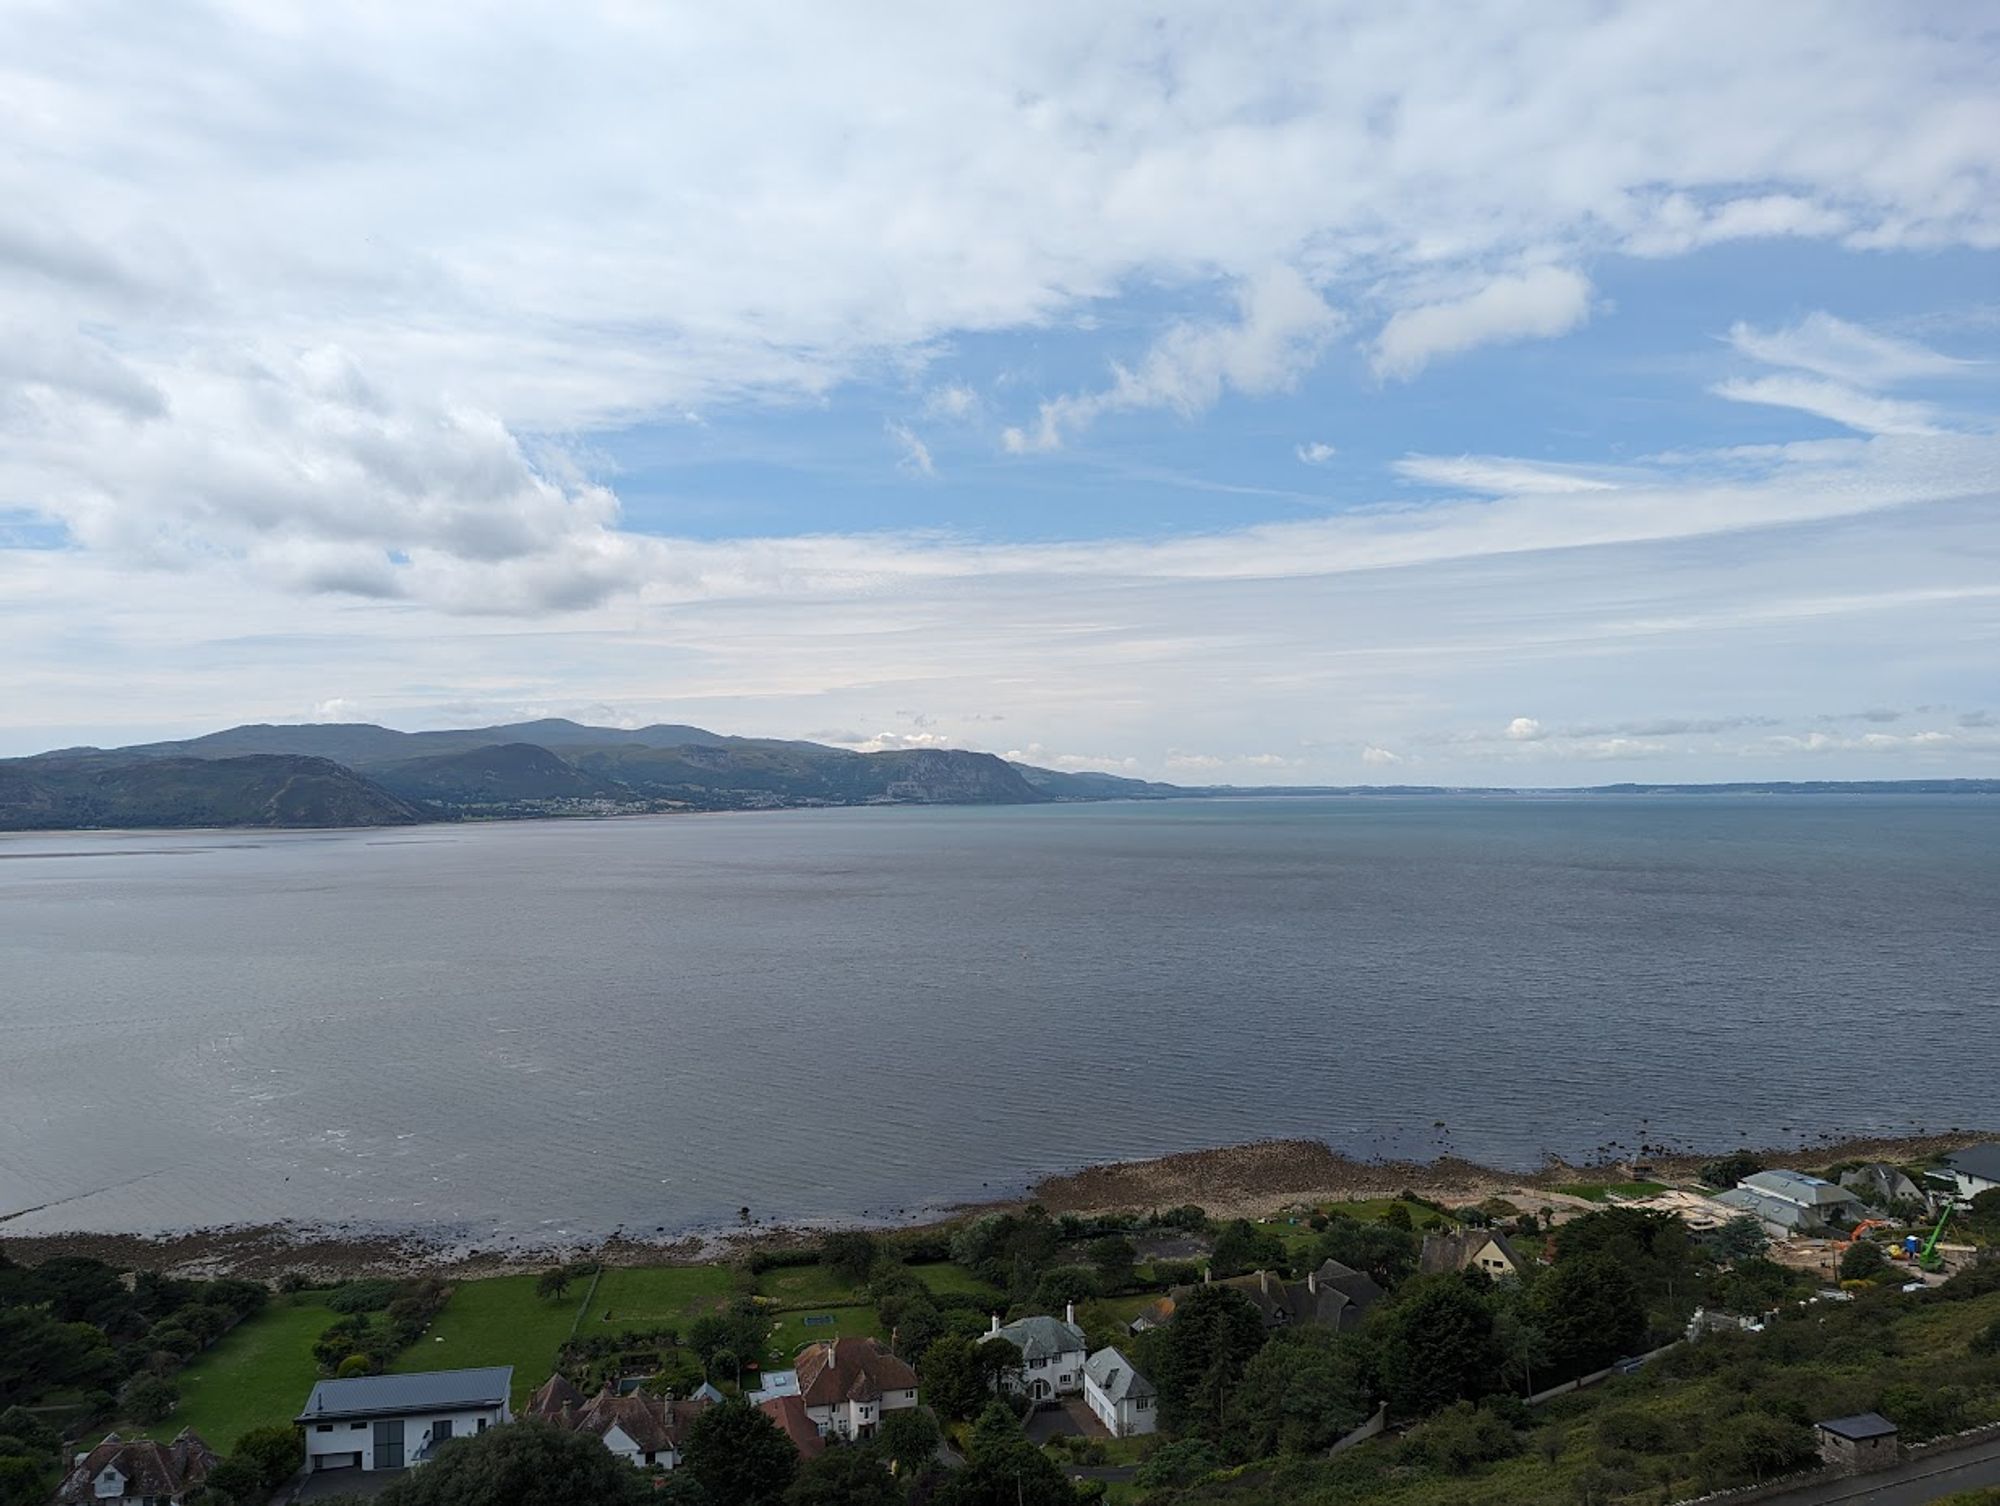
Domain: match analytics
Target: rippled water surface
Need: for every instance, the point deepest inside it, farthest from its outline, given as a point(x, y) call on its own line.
point(575, 1026)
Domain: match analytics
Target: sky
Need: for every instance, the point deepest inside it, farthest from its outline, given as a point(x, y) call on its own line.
point(1246, 393)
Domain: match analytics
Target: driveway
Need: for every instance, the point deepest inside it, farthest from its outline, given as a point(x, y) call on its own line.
point(324, 1484)
point(1070, 1416)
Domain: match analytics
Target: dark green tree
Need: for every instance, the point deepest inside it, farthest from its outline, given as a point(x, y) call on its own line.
point(1740, 1238)
point(958, 1373)
point(552, 1283)
point(738, 1455)
point(38, 1354)
point(1196, 1360)
point(1003, 1469)
point(908, 1439)
point(1242, 1247)
point(843, 1476)
point(1114, 1258)
point(147, 1398)
point(1303, 1390)
point(1590, 1312)
point(1435, 1345)
point(1649, 1246)
point(1726, 1171)
point(275, 1452)
point(1384, 1253)
point(851, 1254)
point(1863, 1261)
point(525, 1464)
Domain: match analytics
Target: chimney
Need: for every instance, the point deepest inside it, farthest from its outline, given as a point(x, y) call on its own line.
point(996, 1326)
point(1312, 1282)
point(1264, 1282)
point(1204, 1275)
point(1069, 1313)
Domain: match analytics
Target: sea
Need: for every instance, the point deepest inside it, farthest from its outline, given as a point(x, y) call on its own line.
point(554, 1030)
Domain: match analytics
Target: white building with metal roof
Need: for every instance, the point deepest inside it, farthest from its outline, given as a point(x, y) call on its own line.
point(1120, 1397)
point(376, 1422)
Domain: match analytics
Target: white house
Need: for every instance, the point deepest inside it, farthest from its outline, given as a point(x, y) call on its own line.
point(1123, 1399)
point(645, 1431)
point(377, 1422)
point(1792, 1202)
point(1052, 1353)
point(138, 1470)
point(1971, 1171)
point(848, 1384)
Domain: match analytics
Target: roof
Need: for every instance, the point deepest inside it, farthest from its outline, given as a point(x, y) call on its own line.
point(1042, 1337)
point(1455, 1249)
point(1797, 1187)
point(655, 1424)
point(1112, 1373)
point(1766, 1206)
point(775, 1383)
point(1862, 1425)
point(551, 1396)
point(852, 1369)
point(149, 1468)
point(1982, 1161)
point(426, 1391)
point(789, 1413)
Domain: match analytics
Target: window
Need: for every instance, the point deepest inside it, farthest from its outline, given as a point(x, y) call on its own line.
point(325, 1427)
point(482, 1425)
point(357, 1427)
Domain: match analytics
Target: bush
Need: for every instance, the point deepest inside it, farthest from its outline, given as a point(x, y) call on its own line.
point(1727, 1171)
point(1864, 1261)
point(147, 1398)
point(366, 1296)
point(353, 1365)
point(1636, 1432)
point(1179, 1463)
point(1175, 1272)
point(275, 1453)
point(1463, 1437)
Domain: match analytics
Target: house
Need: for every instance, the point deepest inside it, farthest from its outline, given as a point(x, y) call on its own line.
point(139, 1470)
point(1791, 1202)
point(391, 1421)
point(645, 1431)
point(789, 1413)
point(1971, 1171)
point(1052, 1353)
point(847, 1384)
point(1122, 1399)
point(1332, 1295)
point(1485, 1250)
point(1882, 1184)
point(1858, 1444)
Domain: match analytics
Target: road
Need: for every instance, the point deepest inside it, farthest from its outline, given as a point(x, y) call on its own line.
point(1913, 1484)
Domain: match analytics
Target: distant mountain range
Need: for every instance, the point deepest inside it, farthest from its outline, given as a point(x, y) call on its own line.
point(355, 774)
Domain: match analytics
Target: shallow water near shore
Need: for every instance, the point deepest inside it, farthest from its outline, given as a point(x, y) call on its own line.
point(551, 1029)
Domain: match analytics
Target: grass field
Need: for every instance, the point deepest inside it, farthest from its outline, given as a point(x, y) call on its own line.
point(809, 1286)
point(792, 1331)
point(1599, 1192)
point(498, 1321)
point(668, 1296)
point(258, 1373)
point(942, 1277)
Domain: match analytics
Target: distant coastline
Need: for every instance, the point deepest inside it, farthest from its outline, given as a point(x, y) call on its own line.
point(1253, 1180)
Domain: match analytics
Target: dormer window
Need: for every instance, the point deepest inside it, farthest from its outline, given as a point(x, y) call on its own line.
point(110, 1483)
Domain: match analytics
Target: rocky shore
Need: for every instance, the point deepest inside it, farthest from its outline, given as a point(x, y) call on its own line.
point(1238, 1181)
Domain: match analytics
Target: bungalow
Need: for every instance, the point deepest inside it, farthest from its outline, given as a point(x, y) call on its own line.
point(1120, 1397)
point(1791, 1202)
point(1486, 1250)
point(1971, 1171)
point(645, 1431)
point(847, 1384)
point(139, 1470)
point(389, 1421)
point(1052, 1353)
point(1858, 1444)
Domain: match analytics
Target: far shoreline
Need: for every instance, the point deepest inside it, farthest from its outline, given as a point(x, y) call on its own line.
point(1255, 1180)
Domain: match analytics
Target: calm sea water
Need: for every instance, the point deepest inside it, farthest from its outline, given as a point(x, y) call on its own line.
point(569, 1027)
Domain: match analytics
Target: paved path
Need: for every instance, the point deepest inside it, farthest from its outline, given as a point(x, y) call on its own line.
point(1913, 1484)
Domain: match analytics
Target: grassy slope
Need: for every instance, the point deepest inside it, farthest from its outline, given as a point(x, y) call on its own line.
point(498, 1321)
point(258, 1373)
point(658, 1296)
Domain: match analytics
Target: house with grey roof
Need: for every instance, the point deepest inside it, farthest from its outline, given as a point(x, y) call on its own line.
point(1793, 1203)
point(377, 1422)
point(1119, 1396)
point(1971, 1171)
point(1052, 1354)
point(138, 1470)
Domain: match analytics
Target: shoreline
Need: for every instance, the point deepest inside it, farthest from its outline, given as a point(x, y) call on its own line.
point(1253, 1180)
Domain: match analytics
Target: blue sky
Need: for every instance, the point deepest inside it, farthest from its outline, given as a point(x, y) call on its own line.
point(1267, 394)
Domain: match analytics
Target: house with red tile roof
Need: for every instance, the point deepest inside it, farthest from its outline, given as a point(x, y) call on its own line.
point(645, 1431)
point(847, 1384)
point(789, 1413)
point(138, 1470)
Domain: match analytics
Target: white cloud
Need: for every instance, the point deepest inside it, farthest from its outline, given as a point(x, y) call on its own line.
point(1525, 729)
point(337, 710)
point(1379, 758)
point(953, 400)
point(1315, 452)
point(1831, 347)
point(916, 456)
point(1280, 326)
point(1539, 304)
point(886, 742)
point(1833, 401)
point(1499, 475)
point(1680, 223)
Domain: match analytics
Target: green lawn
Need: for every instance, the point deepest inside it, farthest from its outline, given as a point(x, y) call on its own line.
point(791, 1332)
point(1599, 1192)
point(258, 1373)
point(943, 1276)
point(663, 1296)
point(498, 1321)
point(809, 1286)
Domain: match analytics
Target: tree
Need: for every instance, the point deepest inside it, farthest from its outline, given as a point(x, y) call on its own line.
point(553, 1283)
point(1180, 1463)
point(523, 1464)
point(1740, 1238)
point(738, 1455)
point(843, 1477)
point(1863, 1261)
point(1649, 1246)
point(1384, 1253)
point(1437, 1345)
point(1726, 1171)
point(958, 1373)
point(1003, 1469)
point(1303, 1390)
point(851, 1254)
point(275, 1453)
point(147, 1398)
point(1114, 1257)
point(39, 1354)
point(1396, 1216)
point(1590, 1311)
point(1243, 1247)
point(1196, 1360)
point(1063, 1284)
point(908, 1439)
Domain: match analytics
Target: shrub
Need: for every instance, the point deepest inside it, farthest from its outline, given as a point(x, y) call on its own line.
point(147, 1398)
point(1864, 1261)
point(353, 1365)
point(1727, 1171)
point(1175, 1272)
point(1462, 1437)
point(1178, 1464)
point(275, 1453)
point(371, 1295)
